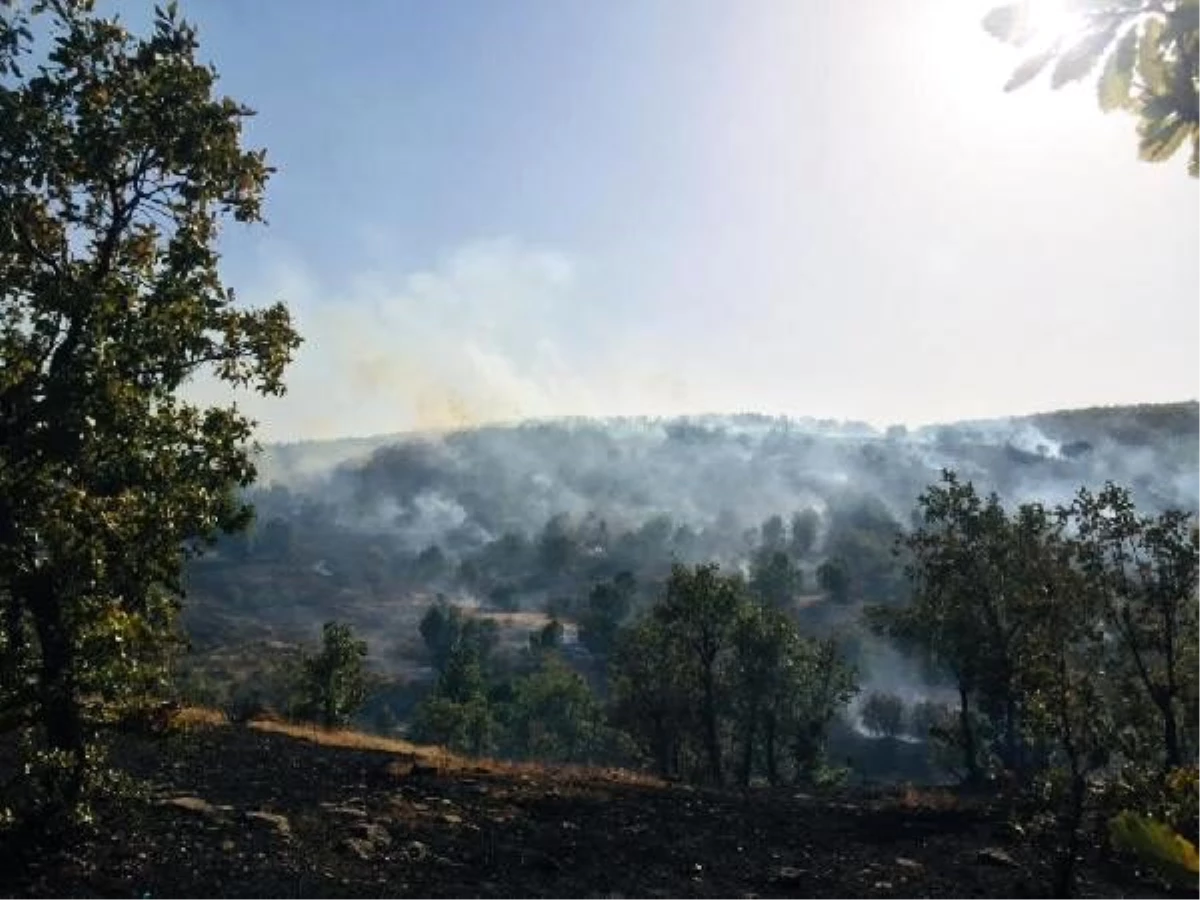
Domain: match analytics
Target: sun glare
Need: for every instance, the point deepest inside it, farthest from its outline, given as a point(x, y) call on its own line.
point(1052, 21)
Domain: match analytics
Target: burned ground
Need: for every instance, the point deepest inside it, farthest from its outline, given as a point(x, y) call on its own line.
point(236, 811)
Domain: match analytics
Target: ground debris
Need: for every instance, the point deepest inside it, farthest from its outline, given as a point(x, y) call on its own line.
point(996, 857)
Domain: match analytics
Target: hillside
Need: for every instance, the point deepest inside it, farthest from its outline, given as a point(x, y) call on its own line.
point(249, 812)
point(508, 518)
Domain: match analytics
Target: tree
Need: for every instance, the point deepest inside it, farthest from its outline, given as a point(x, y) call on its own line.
point(701, 607)
point(862, 542)
point(1144, 569)
point(555, 715)
point(883, 714)
point(762, 678)
point(444, 628)
point(926, 718)
point(608, 605)
point(774, 578)
point(652, 696)
point(558, 546)
point(833, 578)
point(548, 639)
point(1072, 705)
point(118, 164)
point(969, 614)
point(823, 684)
point(1149, 50)
point(805, 525)
point(457, 712)
point(335, 681)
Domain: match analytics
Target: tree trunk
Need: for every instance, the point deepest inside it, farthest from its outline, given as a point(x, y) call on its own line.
point(711, 740)
point(769, 742)
point(1171, 738)
point(61, 715)
point(748, 749)
point(967, 734)
point(1064, 871)
point(662, 749)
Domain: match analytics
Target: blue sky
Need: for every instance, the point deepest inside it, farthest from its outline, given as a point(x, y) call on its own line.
point(493, 210)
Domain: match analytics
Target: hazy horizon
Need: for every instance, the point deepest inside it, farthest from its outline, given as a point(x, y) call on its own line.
point(809, 209)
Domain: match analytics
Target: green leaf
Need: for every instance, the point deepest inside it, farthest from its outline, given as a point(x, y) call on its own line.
point(1194, 161)
point(1151, 66)
point(1112, 89)
point(1160, 139)
point(1077, 62)
point(1029, 69)
point(1008, 23)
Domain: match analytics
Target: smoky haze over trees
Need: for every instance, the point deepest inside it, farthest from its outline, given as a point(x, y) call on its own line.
point(516, 517)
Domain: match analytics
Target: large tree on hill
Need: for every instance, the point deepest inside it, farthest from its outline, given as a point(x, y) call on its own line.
point(701, 606)
point(118, 164)
point(1150, 52)
point(968, 609)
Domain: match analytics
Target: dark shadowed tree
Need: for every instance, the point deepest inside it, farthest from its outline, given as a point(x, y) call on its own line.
point(608, 605)
point(833, 578)
point(883, 714)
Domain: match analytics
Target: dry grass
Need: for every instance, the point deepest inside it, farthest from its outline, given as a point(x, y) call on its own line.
point(927, 798)
point(357, 740)
point(410, 755)
point(197, 716)
point(445, 761)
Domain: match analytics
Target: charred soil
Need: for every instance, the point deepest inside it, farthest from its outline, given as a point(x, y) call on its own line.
point(238, 811)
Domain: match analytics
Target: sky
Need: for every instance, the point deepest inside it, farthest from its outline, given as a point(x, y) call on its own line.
point(488, 211)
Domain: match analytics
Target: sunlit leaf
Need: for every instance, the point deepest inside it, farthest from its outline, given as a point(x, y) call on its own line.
point(1029, 69)
point(1151, 66)
point(1008, 23)
point(1078, 61)
point(1157, 844)
point(1160, 139)
point(1115, 81)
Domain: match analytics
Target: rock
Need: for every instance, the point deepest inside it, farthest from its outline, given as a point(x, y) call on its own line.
point(373, 833)
point(348, 812)
point(996, 857)
point(909, 865)
point(788, 873)
point(277, 823)
point(197, 806)
point(451, 819)
point(357, 848)
point(415, 851)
